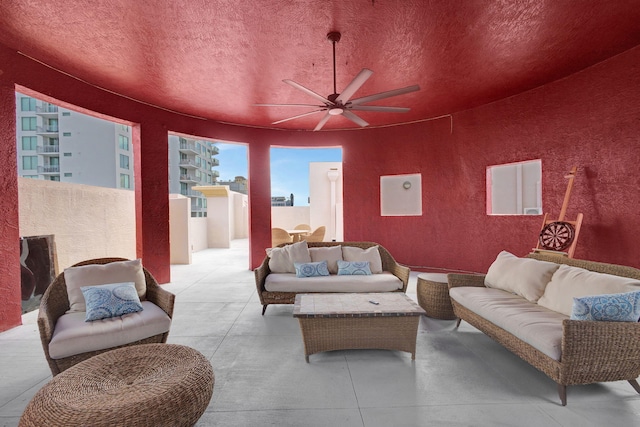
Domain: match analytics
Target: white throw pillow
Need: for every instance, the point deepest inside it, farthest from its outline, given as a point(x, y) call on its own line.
point(331, 254)
point(102, 274)
point(281, 260)
point(526, 277)
point(351, 253)
point(573, 282)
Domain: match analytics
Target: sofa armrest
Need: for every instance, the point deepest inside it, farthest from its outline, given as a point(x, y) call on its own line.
point(599, 351)
point(402, 273)
point(456, 280)
point(261, 274)
point(160, 297)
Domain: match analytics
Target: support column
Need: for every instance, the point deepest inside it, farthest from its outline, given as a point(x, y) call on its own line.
point(151, 159)
point(259, 202)
point(11, 307)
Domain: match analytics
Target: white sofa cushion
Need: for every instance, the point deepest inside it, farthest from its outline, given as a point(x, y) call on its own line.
point(522, 276)
point(102, 274)
point(351, 253)
point(281, 260)
point(533, 324)
point(573, 282)
point(383, 282)
point(72, 335)
point(331, 254)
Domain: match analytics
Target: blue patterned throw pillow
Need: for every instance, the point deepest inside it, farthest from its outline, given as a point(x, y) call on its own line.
point(111, 300)
point(608, 307)
point(354, 268)
point(311, 269)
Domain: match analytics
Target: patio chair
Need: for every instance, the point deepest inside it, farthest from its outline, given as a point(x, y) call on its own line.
point(85, 339)
point(302, 227)
point(279, 236)
point(316, 236)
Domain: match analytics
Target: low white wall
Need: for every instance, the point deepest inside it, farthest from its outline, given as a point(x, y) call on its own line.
point(179, 236)
point(198, 233)
point(86, 222)
point(288, 217)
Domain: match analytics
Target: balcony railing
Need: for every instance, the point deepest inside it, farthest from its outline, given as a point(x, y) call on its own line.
point(188, 163)
point(47, 129)
point(191, 193)
point(47, 109)
point(49, 169)
point(215, 162)
point(189, 178)
point(188, 147)
point(47, 149)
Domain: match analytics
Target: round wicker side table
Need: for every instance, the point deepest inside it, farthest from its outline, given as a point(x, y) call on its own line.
point(433, 295)
point(143, 385)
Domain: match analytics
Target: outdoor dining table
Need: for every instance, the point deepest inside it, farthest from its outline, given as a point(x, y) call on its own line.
point(297, 234)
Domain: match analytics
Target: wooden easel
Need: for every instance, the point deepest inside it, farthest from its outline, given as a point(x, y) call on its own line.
point(576, 224)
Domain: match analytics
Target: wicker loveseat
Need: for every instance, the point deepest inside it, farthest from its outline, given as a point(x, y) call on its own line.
point(397, 272)
point(55, 304)
point(588, 351)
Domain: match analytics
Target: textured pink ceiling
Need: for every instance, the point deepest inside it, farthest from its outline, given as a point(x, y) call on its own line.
point(216, 58)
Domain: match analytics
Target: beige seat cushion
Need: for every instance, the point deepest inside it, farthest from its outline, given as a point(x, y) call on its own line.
point(102, 274)
point(72, 335)
point(521, 276)
point(533, 324)
point(574, 282)
point(383, 282)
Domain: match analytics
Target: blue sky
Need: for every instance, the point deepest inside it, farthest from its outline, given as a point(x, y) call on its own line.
point(289, 167)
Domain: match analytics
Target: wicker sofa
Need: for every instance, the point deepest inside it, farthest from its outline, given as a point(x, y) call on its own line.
point(399, 274)
point(588, 351)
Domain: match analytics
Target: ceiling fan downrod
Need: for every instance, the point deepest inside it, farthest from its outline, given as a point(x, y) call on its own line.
point(334, 37)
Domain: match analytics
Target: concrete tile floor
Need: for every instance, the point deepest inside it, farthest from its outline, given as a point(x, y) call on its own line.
point(459, 378)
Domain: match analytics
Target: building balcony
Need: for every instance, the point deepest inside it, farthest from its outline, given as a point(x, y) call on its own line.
point(47, 130)
point(47, 110)
point(48, 149)
point(188, 164)
point(191, 193)
point(189, 178)
point(214, 150)
point(215, 162)
point(188, 147)
point(198, 209)
point(215, 174)
point(49, 169)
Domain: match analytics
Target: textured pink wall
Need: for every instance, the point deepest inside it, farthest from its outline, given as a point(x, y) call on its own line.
point(10, 306)
point(590, 120)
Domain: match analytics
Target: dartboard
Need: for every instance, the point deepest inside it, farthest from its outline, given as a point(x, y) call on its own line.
point(556, 236)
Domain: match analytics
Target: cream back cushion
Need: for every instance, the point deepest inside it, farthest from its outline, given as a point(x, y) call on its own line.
point(574, 282)
point(281, 260)
point(351, 253)
point(521, 276)
point(331, 254)
point(102, 274)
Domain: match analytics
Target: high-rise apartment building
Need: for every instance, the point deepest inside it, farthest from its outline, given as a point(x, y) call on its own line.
point(191, 163)
point(57, 144)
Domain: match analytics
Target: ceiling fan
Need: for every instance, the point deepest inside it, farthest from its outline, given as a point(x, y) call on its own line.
point(338, 104)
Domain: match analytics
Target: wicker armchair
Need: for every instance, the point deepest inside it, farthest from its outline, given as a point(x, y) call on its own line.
point(279, 236)
point(55, 303)
point(316, 236)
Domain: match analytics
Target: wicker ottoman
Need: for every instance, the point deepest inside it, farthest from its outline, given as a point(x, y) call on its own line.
point(142, 385)
point(433, 295)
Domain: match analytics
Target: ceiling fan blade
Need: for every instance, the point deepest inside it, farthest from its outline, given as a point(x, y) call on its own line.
point(298, 116)
point(379, 108)
point(308, 92)
point(357, 120)
point(383, 95)
point(322, 121)
point(288, 105)
point(355, 84)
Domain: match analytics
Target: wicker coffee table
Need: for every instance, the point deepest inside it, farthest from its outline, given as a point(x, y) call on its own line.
point(345, 321)
point(141, 385)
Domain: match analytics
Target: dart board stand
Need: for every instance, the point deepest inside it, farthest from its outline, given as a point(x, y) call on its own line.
point(559, 236)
